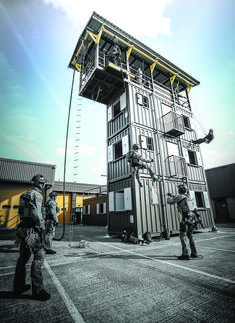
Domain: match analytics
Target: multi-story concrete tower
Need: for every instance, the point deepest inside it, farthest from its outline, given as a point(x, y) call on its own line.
point(147, 99)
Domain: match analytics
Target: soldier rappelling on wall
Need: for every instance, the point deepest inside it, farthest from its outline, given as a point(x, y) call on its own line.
point(137, 162)
point(207, 139)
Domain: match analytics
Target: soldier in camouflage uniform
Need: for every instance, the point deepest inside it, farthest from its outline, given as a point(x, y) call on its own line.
point(188, 222)
point(51, 221)
point(138, 162)
point(31, 233)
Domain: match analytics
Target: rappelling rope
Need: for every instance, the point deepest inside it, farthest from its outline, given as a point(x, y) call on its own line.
point(200, 122)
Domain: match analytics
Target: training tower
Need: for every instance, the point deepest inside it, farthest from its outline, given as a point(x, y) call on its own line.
point(147, 99)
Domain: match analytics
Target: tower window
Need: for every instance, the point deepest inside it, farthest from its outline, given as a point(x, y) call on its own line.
point(199, 199)
point(145, 102)
point(116, 109)
point(150, 143)
point(118, 150)
point(187, 122)
point(192, 158)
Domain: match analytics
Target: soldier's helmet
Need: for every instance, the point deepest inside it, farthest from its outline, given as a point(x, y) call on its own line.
point(39, 180)
point(135, 147)
point(53, 194)
point(182, 189)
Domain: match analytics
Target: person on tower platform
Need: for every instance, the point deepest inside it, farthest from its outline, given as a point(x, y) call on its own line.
point(114, 56)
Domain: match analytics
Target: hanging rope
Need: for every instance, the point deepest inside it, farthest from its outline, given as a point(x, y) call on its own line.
point(200, 122)
point(65, 158)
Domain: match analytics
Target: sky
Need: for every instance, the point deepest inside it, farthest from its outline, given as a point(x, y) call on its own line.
point(38, 38)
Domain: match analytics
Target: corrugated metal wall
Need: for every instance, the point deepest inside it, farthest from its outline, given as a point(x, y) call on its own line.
point(146, 112)
point(22, 171)
point(148, 216)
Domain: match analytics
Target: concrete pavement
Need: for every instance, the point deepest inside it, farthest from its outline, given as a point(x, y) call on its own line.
point(111, 281)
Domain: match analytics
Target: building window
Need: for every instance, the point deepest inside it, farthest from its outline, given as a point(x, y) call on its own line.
point(192, 157)
point(187, 122)
point(199, 199)
point(142, 100)
point(119, 201)
point(101, 208)
point(150, 143)
point(145, 102)
point(118, 150)
point(86, 209)
point(116, 109)
point(146, 142)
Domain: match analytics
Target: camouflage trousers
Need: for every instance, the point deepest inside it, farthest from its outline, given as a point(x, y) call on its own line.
point(50, 233)
point(36, 267)
point(186, 231)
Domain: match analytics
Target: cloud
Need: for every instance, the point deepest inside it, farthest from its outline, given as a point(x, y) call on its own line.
point(139, 20)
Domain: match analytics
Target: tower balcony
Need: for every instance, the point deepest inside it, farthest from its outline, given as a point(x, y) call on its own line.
point(100, 79)
point(174, 124)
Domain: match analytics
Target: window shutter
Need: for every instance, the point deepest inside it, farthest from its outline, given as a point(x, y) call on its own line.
point(192, 123)
point(206, 199)
point(125, 145)
point(143, 141)
point(193, 198)
point(123, 101)
point(110, 153)
point(104, 207)
point(97, 208)
point(110, 113)
point(185, 154)
point(127, 198)
point(139, 99)
point(199, 158)
point(111, 201)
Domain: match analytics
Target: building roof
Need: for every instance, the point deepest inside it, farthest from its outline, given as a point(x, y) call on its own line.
point(12, 170)
point(162, 71)
point(81, 188)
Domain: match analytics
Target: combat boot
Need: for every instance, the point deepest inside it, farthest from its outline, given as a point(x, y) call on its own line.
point(22, 290)
point(42, 295)
point(184, 257)
point(50, 252)
point(194, 256)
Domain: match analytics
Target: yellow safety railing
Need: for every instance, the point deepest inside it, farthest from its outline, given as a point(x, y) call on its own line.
point(96, 39)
